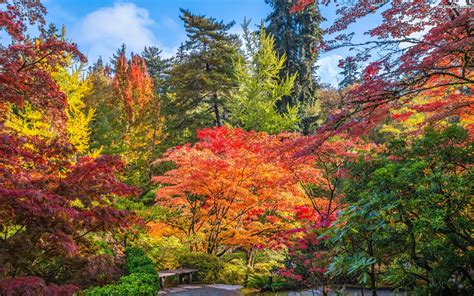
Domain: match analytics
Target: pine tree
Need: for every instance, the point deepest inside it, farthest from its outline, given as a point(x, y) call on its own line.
point(350, 72)
point(296, 35)
point(108, 124)
point(202, 75)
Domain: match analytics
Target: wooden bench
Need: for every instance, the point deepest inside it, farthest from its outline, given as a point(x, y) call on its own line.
point(163, 274)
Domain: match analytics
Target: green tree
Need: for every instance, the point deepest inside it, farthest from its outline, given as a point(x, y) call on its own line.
point(159, 68)
point(350, 72)
point(202, 75)
point(108, 124)
point(410, 221)
point(297, 35)
point(260, 88)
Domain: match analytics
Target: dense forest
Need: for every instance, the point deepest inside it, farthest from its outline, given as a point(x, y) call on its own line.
point(233, 158)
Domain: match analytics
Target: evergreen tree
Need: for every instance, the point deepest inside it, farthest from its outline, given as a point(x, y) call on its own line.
point(253, 105)
point(108, 124)
point(157, 67)
point(202, 76)
point(350, 72)
point(296, 35)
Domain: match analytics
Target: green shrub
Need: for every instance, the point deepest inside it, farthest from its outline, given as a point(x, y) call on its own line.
point(123, 289)
point(137, 262)
point(164, 251)
point(142, 284)
point(233, 272)
point(267, 282)
point(209, 266)
point(142, 279)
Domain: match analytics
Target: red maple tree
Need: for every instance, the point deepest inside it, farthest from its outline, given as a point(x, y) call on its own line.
point(50, 203)
point(425, 51)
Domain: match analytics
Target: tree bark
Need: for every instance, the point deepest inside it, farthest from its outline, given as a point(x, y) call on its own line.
point(216, 111)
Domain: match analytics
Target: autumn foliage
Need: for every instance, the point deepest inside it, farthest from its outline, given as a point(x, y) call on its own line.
point(379, 194)
point(228, 190)
point(51, 203)
point(132, 84)
point(431, 74)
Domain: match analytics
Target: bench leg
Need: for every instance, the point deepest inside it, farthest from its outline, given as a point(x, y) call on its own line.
point(162, 282)
point(190, 278)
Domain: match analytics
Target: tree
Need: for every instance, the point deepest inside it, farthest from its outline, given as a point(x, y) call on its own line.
point(143, 123)
point(408, 219)
point(24, 59)
point(297, 35)
point(426, 52)
point(253, 105)
point(132, 85)
point(50, 205)
point(225, 192)
point(350, 72)
point(202, 75)
point(108, 124)
point(159, 68)
point(76, 88)
point(128, 119)
point(321, 174)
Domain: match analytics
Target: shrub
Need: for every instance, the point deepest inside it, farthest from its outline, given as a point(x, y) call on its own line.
point(123, 289)
point(141, 284)
point(142, 279)
point(233, 272)
point(31, 285)
point(138, 262)
point(209, 266)
point(164, 250)
point(267, 282)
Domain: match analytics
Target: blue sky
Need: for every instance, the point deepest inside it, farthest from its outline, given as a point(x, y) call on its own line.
point(99, 27)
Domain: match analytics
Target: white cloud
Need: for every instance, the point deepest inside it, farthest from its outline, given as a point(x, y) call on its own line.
point(328, 70)
point(169, 23)
point(102, 32)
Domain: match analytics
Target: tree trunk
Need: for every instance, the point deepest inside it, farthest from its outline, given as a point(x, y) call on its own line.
point(216, 111)
point(372, 270)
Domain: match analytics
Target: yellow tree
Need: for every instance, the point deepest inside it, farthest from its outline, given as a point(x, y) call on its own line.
point(76, 87)
point(29, 121)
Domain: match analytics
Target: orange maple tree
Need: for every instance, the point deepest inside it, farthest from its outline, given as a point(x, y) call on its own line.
point(132, 84)
point(228, 190)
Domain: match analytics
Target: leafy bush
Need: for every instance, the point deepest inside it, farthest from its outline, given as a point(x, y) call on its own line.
point(102, 269)
point(138, 262)
point(123, 289)
point(267, 282)
point(164, 251)
point(233, 272)
point(209, 266)
point(133, 284)
point(32, 285)
point(142, 279)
